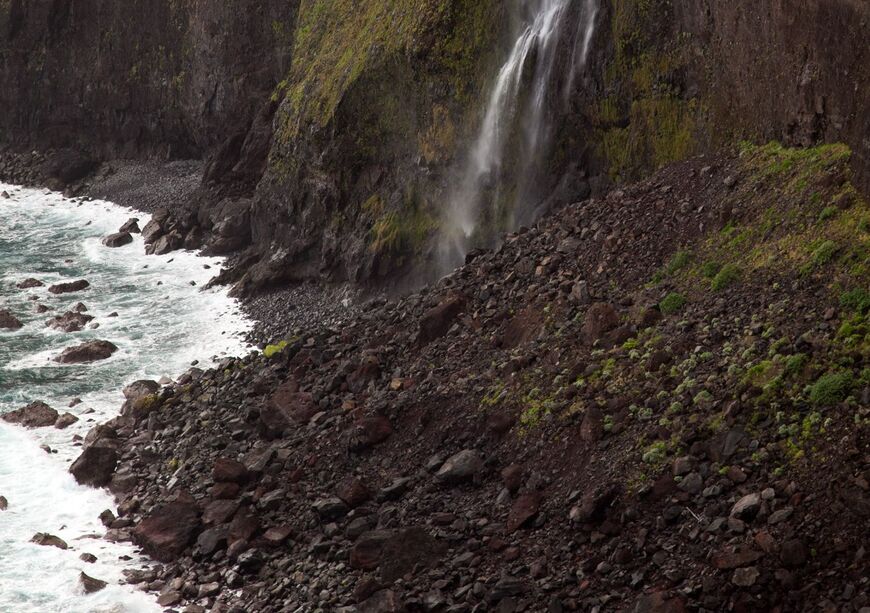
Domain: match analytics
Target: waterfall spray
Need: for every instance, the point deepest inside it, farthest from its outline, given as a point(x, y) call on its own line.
point(517, 125)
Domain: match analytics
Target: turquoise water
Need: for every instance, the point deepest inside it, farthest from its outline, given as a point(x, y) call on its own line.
point(164, 322)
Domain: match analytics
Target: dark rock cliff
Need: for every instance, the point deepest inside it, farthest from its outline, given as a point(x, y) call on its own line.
point(333, 129)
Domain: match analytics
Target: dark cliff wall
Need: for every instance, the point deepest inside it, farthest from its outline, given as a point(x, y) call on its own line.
point(345, 120)
point(138, 77)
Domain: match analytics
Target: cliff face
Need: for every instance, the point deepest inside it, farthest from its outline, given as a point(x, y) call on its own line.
point(346, 123)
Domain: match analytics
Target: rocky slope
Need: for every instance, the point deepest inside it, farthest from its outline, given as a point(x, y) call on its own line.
point(658, 400)
point(332, 130)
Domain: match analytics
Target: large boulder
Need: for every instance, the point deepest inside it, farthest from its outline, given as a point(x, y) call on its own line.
point(600, 319)
point(90, 351)
point(8, 321)
point(96, 464)
point(68, 288)
point(34, 415)
point(69, 321)
point(168, 530)
point(462, 466)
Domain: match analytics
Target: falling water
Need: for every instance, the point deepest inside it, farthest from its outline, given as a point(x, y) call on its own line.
point(517, 126)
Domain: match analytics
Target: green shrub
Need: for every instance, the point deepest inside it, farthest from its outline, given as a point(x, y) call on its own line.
point(709, 269)
point(725, 277)
point(678, 262)
point(829, 212)
point(831, 388)
point(672, 303)
point(824, 253)
point(857, 300)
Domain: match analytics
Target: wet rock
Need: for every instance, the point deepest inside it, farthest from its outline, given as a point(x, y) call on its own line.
point(4, 504)
point(49, 540)
point(91, 585)
point(462, 466)
point(131, 226)
point(29, 283)
point(65, 421)
point(67, 288)
point(8, 321)
point(91, 351)
point(69, 322)
point(168, 530)
point(34, 415)
point(88, 558)
point(118, 239)
point(96, 464)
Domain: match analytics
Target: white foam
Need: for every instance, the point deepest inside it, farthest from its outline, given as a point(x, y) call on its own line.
point(163, 324)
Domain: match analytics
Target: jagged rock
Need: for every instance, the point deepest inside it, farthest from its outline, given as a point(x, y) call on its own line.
point(330, 508)
point(8, 321)
point(168, 530)
point(524, 510)
point(91, 351)
point(437, 321)
point(34, 415)
point(227, 470)
point(747, 507)
point(600, 319)
point(131, 226)
point(91, 585)
point(68, 288)
point(65, 421)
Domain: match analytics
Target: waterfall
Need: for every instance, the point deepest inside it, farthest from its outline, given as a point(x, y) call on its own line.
point(518, 121)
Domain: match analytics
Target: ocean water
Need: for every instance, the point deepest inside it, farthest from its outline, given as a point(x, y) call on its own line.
point(164, 322)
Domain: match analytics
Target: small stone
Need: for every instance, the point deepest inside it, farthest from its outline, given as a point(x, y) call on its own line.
point(747, 507)
point(745, 577)
point(780, 515)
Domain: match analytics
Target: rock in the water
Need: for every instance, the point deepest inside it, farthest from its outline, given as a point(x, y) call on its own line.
point(91, 585)
point(34, 415)
point(67, 288)
point(131, 226)
point(4, 504)
point(49, 540)
point(69, 322)
point(90, 351)
point(168, 530)
point(8, 321)
point(118, 239)
point(65, 421)
point(88, 558)
point(29, 283)
point(461, 467)
point(96, 465)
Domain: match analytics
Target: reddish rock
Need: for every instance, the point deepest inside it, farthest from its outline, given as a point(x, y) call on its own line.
point(743, 556)
point(524, 509)
point(437, 321)
point(244, 525)
point(353, 492)
point(287, 406)
point(658, 602)
point(219, 512)
point(224, 491)
point(592, 426)
point(394, 552)
point(513, 477)
point(227, 470)
point(600, 319)
point(277, 535)
point(368, 432)
point(168, 530)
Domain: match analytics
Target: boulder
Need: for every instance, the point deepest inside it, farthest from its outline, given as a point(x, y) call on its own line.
point(29, 283)
point(226, 470)
point(462, 466)
point(69, 322)
point(68, 288)
point(524, 510)
point(437, 321)
point(600, 319)
point(747, 507)
point(8, 321)
point(131, 226)
point(287, 406)
point(96, 464)
point(65, 421)
point(49, 540)
point(90, 351)
point(118, 239)
point(34, 415)
point(140, 388)
point(168, 530)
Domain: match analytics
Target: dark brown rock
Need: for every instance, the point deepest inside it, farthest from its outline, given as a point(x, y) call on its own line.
point(437, 321)
point(29, 283)
point(91, 585)
point(67, 288)
point(49, 540)
point(96, 464)
point(227, 470)
point(8, 321)
point(34, 415)
point(524, 509)
point(69, 321)
point(118, 239)
point(91, 351)
point(168, 530)
point(600, 319)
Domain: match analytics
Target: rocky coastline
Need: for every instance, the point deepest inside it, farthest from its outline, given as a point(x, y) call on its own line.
point(587, 418)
